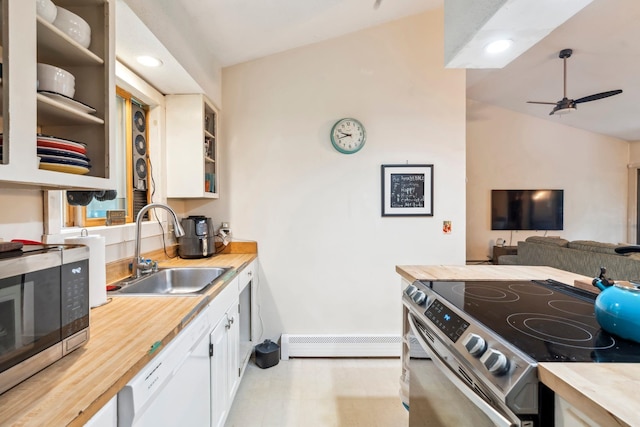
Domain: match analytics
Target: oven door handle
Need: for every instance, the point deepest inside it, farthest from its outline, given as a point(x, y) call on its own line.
point(496, 417)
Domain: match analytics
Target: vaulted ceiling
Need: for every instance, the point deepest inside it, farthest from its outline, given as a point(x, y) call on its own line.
point(603, 37)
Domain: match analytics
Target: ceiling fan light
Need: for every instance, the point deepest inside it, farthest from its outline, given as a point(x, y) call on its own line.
point(498, 46)
point(566, 110)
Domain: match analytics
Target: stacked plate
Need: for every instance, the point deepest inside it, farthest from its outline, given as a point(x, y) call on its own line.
point(63, 155)
point(70, 102)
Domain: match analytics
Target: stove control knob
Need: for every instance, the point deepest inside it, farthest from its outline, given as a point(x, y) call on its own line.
point(475, 344)
point(419, 297)
point(496, 362)
point(411, 289)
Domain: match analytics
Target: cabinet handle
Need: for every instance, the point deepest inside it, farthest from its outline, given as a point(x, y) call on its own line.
point(228, 325)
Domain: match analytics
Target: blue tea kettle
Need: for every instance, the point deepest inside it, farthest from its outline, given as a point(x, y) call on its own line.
point(617, 308)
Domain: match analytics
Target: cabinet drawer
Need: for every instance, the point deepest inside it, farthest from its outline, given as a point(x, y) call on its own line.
point(221, 302)
point(247, 275)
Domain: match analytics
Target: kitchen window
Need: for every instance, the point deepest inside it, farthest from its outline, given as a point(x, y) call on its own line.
point(132, 92)
point(134, 183)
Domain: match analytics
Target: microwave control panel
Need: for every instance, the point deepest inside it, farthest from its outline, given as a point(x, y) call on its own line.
point(75, 297)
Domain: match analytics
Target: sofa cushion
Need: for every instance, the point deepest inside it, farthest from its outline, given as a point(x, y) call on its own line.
point(590, 245)
point(586, 262)
point(554, 241)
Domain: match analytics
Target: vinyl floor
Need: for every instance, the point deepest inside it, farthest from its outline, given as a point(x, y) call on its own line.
point(307, 392)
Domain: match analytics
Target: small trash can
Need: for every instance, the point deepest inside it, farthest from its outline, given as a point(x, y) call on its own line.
point(267, 354)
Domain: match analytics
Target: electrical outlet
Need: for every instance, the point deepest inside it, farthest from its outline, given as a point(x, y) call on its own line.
point(171, 228)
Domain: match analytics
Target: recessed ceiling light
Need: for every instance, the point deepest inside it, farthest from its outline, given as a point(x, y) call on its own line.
point(149, 61)
point(498, 46)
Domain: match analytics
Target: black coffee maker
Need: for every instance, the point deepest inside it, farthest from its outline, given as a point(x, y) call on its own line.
point(198, 239)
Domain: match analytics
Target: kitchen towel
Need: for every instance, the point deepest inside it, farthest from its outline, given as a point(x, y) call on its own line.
point(97, 266)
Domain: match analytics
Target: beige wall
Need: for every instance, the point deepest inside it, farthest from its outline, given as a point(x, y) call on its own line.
point(634, 153)
point(632, 200)
point(327, 256)
point(21, 214)
point(508, 150)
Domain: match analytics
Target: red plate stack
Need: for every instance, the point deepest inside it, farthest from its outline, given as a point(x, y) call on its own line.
point(62, 155)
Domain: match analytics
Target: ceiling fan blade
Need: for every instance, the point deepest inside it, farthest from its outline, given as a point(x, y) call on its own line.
point(597, 96)
point(555, 110)
point(540, 102)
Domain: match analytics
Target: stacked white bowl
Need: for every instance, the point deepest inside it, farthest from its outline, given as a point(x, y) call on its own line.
point(73, 26)
point(55, 79)
point(46, 9)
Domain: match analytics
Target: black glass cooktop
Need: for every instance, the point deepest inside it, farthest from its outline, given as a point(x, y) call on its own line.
point(550, 321)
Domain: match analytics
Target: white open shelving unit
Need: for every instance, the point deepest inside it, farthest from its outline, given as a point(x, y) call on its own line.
point(28, 39)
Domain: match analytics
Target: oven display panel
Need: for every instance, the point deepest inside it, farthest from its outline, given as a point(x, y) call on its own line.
point(447, 321)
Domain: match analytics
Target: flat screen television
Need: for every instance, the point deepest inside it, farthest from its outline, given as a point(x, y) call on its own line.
point(527, 209)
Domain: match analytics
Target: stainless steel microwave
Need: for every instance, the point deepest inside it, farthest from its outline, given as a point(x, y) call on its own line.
point(44, 308)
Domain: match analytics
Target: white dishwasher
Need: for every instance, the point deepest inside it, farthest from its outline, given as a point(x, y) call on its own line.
point(173, 389)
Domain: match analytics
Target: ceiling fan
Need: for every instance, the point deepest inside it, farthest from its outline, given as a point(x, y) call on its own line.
point(566, 105)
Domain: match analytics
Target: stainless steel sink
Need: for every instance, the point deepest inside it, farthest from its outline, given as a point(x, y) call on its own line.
point(172, 282)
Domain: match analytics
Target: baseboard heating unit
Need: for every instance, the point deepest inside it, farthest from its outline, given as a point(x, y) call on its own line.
point(340, 346)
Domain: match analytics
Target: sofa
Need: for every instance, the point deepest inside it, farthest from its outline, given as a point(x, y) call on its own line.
point(579, 256)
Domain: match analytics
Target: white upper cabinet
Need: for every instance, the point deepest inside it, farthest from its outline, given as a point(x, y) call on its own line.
point(29, 39)
point(192, 147)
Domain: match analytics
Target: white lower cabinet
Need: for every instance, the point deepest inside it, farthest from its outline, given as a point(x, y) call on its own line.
point(567, 415)
point(247, 315)
point(233, 339)
point(107, 416)
point(218, 352)
point(225, 372)
point(218, 375)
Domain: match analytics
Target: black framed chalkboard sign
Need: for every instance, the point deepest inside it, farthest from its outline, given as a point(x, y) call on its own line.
point(407, 190)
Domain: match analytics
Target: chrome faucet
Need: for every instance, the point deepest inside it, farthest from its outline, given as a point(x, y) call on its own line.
point(138, 266)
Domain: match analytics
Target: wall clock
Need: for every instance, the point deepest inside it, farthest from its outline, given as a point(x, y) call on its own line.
point(348, 135)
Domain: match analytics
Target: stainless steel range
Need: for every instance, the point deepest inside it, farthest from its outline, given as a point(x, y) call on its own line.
point(485, 340)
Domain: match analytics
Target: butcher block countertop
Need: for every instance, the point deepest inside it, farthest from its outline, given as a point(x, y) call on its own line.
point(123, 331)
point(606, 392)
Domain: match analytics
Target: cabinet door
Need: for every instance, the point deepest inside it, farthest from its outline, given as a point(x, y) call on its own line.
point(249, 322)
point(192, 147)
point(568, 415)
point(219, 372)
point(246, 321)
point(233, 348)
point(107, 416)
